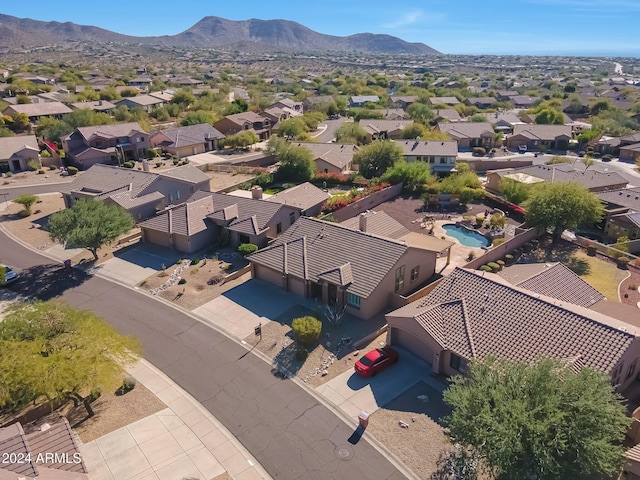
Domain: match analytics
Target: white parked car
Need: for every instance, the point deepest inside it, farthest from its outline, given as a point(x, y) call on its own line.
point(10, 275)
point(522, 148)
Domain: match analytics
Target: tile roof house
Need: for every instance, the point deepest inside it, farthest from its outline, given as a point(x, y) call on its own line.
point(16, 152)
point(287, 103)
point(444, 101)
point(403, 101)
point(306, 196)
point(384, 129)
point(47, 448)
point(630, 147)
point(472, 314)
point(331, 157)
point(395, 114)
point(258, 124)
point(552, 137)
point(343, 266)
point(440, 155)
point(146, 102)
point(188, 140)
point(593, 180)
point(35, 111)
point(142, 193)
point(447, 114)
point(317, 101)
point(360, 100)
point(201, 220)
point(621, 208)
point(86, 146)
point(504, 121)
point(523, 101)
point(480, 102)
point(165, 95)
point(469, 134)
point(102, 106)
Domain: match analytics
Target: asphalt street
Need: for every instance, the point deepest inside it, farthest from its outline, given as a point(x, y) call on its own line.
point(284, 427)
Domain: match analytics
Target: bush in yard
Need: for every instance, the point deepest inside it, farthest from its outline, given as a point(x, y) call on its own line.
point(471, 256)
point(27, 201)
point(501, 263)
point(128, 164)
point(479, 152)
point(509, 259)
point(41, 171)
point(485, 268)
point(53, 167)
point(479, 220)
point(494, 267)
point(72, 170)
point(592, 250)
point(306, 330)
point(623, 262)
point(245, 249)
point(498, 241)
point(182, 281)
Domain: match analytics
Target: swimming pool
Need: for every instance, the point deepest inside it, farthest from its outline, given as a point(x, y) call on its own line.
point(468, 238)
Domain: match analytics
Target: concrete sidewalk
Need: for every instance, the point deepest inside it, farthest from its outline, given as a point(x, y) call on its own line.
point(181, 441)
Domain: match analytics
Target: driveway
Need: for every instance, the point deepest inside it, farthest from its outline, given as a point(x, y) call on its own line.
point(132, 265)
point(239, 310)
point(354, 394)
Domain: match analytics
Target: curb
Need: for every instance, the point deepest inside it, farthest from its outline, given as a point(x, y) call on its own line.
point(391, 457)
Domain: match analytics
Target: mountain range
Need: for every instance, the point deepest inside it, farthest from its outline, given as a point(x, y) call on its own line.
point(211, 32)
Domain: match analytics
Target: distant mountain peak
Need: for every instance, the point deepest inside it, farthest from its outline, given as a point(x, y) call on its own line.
point(212, 32)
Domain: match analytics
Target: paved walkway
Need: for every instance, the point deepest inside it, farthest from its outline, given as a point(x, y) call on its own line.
point(181, 441)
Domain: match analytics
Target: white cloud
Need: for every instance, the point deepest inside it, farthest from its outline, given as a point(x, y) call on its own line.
point(408, 18)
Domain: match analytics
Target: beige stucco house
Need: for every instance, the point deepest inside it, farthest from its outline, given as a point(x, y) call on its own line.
point(17, 152)
point(185, 141)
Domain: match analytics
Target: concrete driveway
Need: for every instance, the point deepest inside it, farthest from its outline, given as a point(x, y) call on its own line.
point(354, 394)
point(240, 309)
point(132, 265)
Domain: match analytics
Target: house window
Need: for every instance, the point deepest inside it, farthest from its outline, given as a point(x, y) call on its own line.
point(353, 300)
point(432, 160)
point(419, 158)
point(279, 228)
point(415, 273)
point(443, 160)
point(138, 139)
point(173, 196)
point(458, 363)
point(244, 238)
point(631, 370)
point(399, 278)
point(292, 217)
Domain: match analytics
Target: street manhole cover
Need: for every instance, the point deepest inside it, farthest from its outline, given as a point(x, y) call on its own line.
point(344, 452)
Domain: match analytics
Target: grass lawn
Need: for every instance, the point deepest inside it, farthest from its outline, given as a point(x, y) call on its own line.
point(603, 276)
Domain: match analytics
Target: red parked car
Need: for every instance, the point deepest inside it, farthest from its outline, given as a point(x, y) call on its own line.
point(375, 361)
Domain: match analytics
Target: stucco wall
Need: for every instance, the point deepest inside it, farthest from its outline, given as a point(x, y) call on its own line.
point(367, 203)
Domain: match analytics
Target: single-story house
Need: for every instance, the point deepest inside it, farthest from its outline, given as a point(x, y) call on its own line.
point(287, 103)
point(630, 153)
point(306, 196)
point(141, 193)
point(360, 100)
point(331, 157)
point(395, 114)
point(451, 101)
point(448, 115)
point(317, 102)
point(624, 224)
point(384, 129)
point(440, 155)
point(469, 134)
point(551, 137)
point(208, 217)
point(146, 102)
point(471, 315)
point(607, 145)
point(617, 203)
point(165, 95)
point(480, 102)
point(101, 106)
point(523, 101)
point(343, 266)
point(185, 141)
point(593, 180)
point(35, 111)
point(504, 121)
point(505, 95)
point(17, 152)
point(403, 101)
point(45, 449)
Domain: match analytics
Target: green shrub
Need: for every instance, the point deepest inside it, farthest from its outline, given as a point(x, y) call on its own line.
point(498, 241)
point(53, 167)
point(306, 330)
point(159, 164)
point(485, 268)
point(182, 281)
point(8, 174)
point(623, 262)
point(494, 267)
point(175, 161)
point(72, 170)
point(479, 220)
point(471, 256)
point(501, 263)
point(592, 250)
point(128, 164)
point(45, 154)
point(245, 249)
point(41, 172)
point(479, 152)
point(509, 259)
point(33, 165)
point(194, 261)
point(607, 157)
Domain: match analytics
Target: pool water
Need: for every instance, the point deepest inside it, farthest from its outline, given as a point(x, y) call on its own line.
point(466, 237)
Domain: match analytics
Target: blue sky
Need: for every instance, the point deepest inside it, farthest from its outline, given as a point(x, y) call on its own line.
point(546, 27)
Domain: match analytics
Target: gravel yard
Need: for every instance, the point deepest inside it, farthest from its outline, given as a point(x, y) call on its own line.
point(32, 229)
point(423, 441)
point(332, 354)
point(34, 178)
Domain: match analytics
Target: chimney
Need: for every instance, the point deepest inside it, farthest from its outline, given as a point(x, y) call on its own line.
point(362, 222)
point(145, 165)
point(256, 192)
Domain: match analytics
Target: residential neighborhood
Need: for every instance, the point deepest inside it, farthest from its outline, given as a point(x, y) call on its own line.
point(267, 261)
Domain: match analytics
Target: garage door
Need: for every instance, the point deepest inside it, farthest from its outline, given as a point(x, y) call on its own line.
point(412, 343)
